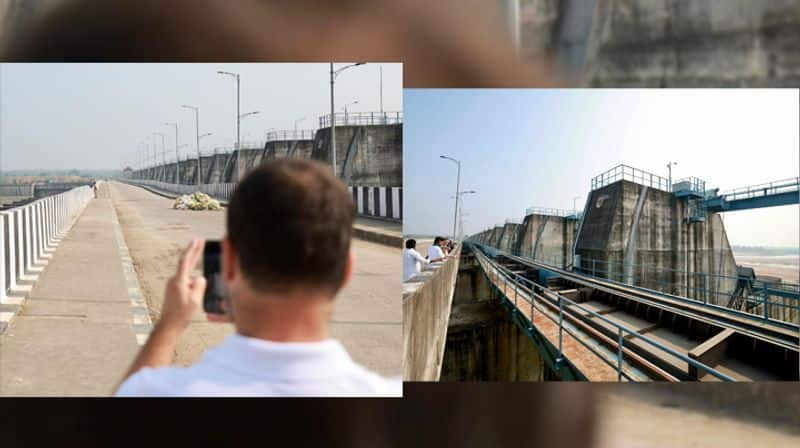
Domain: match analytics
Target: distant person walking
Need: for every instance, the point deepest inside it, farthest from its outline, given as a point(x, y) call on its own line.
point(412, 260)
point(94, 188)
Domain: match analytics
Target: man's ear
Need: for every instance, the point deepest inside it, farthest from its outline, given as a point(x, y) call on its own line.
point(228, 260)
point(349, 267)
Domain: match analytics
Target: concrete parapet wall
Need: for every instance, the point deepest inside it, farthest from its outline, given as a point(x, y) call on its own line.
point(374, 202)
point(427, 302)
point(221, 192)
point(29, 232)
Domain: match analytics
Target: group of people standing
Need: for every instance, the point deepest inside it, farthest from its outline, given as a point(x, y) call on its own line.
point(413, 260)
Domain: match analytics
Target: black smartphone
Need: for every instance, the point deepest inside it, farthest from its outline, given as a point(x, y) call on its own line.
point(215, 289)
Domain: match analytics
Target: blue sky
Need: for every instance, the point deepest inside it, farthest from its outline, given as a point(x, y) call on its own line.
point(94, 116)
point(522, 148)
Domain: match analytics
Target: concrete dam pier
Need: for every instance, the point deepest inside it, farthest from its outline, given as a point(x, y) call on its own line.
point(369, 153)
point(638, 229)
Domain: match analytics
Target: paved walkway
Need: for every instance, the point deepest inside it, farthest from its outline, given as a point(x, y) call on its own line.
point(367, 318)
point(75, 334)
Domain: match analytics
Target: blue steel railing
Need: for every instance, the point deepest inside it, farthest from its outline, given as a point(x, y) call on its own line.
point(690, 185)
point(625, 172)
point(531, 288)
point(785, 310)
point(761, 190)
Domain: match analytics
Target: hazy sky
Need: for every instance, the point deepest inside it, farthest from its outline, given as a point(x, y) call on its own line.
point(522, 148)
point(94, 116)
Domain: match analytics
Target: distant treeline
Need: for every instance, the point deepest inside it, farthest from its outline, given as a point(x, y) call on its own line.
point(761, 250)
point(27, 177)
point(61, 173)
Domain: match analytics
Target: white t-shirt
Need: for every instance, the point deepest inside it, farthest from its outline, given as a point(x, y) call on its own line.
point(435, 252)
point(244, 366)
point(412, 263)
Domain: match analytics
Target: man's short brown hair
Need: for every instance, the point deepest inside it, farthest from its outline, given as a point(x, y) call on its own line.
point(290, 221)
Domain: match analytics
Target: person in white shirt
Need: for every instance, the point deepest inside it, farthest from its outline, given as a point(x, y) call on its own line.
point(285, 257)
point(435, 252)
point(412, 260)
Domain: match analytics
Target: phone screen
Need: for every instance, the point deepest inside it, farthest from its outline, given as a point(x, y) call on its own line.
point(215, 289)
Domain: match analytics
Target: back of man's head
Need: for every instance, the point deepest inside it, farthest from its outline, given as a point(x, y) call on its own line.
point(437, 240)
point(290, 222)
point(410, 244)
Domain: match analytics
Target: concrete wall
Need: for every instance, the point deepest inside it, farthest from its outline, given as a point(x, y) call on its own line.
point(668, 43)
point(509, 237)
point(427, 300)
point(483, 345)
point(300, 149)
point(548, 239)
point(365, 155)
point(677, 250)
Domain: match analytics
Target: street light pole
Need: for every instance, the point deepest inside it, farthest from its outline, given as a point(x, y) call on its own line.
point(669, 167)
point(461, 213)
point(163, 154)
point(295, 124)
point(334, 74)
point(197, 134)
point(238, 123)
point(458, 187)
point(177, 166)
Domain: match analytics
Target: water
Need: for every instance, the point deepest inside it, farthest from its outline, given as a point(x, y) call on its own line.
point(787, 267)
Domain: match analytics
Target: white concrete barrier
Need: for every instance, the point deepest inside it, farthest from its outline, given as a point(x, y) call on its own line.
point(376, 202)
point(29, 232)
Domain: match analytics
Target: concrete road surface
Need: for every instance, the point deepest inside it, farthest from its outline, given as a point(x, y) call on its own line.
point(368, 315)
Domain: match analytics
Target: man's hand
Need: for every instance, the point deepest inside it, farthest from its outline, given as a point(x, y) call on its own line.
point(183, 297)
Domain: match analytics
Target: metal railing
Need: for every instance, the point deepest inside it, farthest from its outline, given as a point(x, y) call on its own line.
point(770, 188)
point(221, 191)
point(690, 184)
point(625, 172)
point(552, 212)
point(361, 119)
point(766, 300)
point(533, 291)
point(300, 134)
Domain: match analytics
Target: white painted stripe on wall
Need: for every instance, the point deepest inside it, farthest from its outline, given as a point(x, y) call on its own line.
point(370, 200)
point(3, 279)
point(395, 203)
point(360, 197)
point(382, 196)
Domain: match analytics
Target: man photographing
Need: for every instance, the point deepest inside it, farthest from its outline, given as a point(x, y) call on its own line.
point(285, 257)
